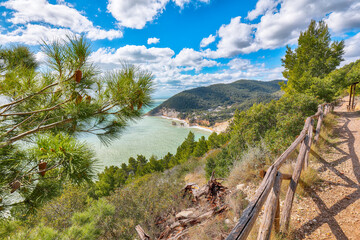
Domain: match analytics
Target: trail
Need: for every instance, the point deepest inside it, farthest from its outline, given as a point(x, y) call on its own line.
point(333, 210)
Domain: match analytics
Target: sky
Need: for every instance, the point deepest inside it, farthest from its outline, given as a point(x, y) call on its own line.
point(184, 43)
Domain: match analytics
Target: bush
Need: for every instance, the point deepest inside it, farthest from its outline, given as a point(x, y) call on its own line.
point(13, 230)
point(275, 124)
point(144, 202)
point(94, 223)
point(59, 211)
point(247, 168)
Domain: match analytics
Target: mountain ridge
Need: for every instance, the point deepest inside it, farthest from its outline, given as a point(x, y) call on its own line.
point(217, 102)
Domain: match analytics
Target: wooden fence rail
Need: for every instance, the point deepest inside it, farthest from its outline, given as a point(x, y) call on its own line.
point(269, 189)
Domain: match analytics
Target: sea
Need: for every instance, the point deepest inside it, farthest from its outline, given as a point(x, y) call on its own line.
point(148, 136)
point(151, 135)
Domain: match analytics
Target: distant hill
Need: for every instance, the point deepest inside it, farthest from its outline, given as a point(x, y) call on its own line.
point(219, 101)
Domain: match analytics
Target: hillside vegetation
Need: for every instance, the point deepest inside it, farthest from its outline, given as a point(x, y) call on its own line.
point(218, 102)
point(149, 192)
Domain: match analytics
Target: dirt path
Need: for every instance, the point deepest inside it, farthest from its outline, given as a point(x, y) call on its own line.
point(333, 210)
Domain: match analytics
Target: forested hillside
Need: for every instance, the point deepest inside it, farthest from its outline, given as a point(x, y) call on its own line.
point(223, 99)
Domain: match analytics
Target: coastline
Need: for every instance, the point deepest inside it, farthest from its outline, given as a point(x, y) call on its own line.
point(209, 129)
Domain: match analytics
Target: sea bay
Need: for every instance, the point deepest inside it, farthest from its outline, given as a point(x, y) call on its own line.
point(151, 135)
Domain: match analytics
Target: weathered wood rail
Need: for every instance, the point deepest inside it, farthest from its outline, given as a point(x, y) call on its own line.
point(269, 189)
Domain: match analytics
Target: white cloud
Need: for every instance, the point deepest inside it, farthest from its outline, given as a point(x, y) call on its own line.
point(32, 34)
point(136, 13)
point(170, 70)
point(153, 40)
point(60, 15)
point(41, 11)
point(345, 20)
point(278, 27)
point(262, 6)
point(235, 38)
point(282, 27)
point(41, 57)
point(192, 59)
point(181, 3)
point(239, 64)
point(97, 33)
point(206, 41)
point(132, 54)
point(352, 50)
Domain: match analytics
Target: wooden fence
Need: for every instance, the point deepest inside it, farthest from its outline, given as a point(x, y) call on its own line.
point(269, 189)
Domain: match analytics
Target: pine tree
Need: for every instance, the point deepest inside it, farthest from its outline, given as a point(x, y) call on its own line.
point(184, 151)
point(50, 107)
point(314, 58)
point(201, 147)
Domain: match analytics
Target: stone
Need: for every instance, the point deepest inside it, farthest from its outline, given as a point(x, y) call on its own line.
point(240, 186)
point(184, 214)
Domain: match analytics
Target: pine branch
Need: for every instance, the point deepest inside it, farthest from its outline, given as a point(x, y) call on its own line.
point(34, 130)
point(17, 125)
point(34, 94)
point(36, 111)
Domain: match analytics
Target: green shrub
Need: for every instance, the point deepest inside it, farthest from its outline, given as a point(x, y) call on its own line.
point(276, 124)
point(59, 211)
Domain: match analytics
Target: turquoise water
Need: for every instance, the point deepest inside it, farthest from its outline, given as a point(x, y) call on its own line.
point(148, 136)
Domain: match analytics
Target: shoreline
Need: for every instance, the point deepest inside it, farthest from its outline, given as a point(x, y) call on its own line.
point(208, 129)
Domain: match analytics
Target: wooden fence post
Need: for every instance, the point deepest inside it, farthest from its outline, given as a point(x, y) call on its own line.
point(285, 216)
point(271, 208)
point(310, 134)
point(353, 100)
point(318, 126)
point(250, 214)
point(277, 216)
point(350, 95)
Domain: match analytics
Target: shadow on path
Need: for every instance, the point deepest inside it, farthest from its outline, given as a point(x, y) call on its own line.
point(327, 215)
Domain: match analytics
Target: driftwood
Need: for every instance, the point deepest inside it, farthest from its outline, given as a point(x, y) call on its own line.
point(141, 233)
point(213, 190)
point(211, 196)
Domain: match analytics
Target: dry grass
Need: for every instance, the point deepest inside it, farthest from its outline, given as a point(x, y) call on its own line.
point(197, 173)
point(237, 203)
point(309, 178)
point(326, 134)
point(216, 228)
point(248, 167)
point(197, 176)
point(287, 168)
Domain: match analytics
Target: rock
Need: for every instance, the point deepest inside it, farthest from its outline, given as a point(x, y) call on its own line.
point(240, 186)
point(184, 214)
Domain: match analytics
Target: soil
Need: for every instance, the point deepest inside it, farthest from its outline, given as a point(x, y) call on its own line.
point(332, 211)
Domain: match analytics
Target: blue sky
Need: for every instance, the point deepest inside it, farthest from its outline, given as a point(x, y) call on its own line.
point(184, 43)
